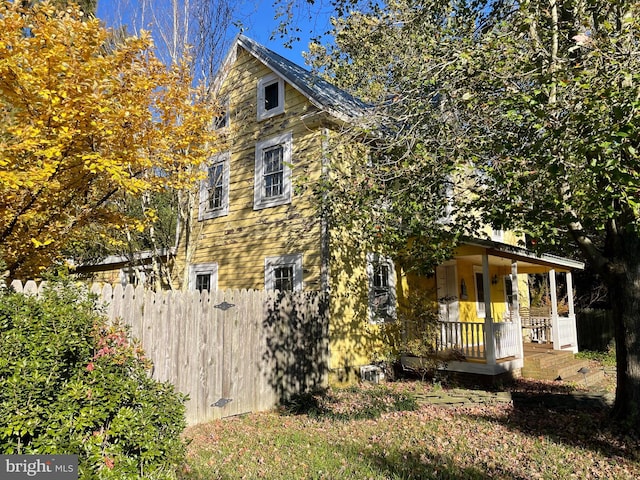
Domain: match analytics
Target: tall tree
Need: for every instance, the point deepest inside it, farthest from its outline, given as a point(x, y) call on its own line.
point(82, 125)
point(194, 29)
point(538, 102)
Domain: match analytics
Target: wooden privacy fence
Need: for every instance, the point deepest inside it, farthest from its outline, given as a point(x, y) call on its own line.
point(231, 351)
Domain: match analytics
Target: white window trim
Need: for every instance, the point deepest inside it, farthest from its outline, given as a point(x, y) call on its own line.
point(497, 235)
point(259, 200)
point(204, 213)
point(480, 306)
point(202, 269)
point(262, 84)
point(294, 260)
point(372, 259)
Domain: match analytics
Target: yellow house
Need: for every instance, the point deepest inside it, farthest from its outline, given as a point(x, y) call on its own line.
point(258, 224)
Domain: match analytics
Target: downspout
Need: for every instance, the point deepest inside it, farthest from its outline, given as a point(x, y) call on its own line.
point(324, 217)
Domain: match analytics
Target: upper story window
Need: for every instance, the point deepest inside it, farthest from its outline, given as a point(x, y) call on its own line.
point(272, 184)
point(221, 120)
point(497, 235)
point(382, 288)
point(270, 96)
point(283, 272)
point(214, 189)
point(203, 276)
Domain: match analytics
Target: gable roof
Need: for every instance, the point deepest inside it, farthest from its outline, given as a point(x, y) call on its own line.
point(319, 92)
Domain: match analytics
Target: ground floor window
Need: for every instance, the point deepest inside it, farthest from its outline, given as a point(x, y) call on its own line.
point(283, 272)
point(382, 288)
point(203, 276)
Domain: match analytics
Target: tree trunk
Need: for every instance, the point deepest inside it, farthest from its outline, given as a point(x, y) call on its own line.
point(623, 280)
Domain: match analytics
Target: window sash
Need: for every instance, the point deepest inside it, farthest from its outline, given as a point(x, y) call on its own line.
point(271, 96)
point(382, 288)
point(283, 278)
point(203, 282)
point(273, 168)
point(215, 191)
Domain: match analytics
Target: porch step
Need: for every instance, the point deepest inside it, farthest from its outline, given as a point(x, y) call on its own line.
point(545, 364)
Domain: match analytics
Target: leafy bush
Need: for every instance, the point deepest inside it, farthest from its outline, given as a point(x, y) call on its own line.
point(607, 359)
point(71, 383)
point(414, 334)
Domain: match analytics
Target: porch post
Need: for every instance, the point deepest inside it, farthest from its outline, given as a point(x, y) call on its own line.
point(555, 328)
point(490, 345)
point(572, 313)
point(515, 307)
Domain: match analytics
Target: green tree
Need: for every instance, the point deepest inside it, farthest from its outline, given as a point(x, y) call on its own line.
point(536, 102)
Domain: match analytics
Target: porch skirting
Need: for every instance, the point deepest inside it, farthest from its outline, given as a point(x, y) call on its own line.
point(474, 367)
point(504, 366)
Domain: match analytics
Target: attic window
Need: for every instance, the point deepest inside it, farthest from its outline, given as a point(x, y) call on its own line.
point(270, 96)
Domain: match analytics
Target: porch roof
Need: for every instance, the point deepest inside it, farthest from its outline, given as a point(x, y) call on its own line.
point(526, 258)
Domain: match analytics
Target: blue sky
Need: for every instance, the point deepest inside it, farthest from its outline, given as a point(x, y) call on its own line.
point(257, 19)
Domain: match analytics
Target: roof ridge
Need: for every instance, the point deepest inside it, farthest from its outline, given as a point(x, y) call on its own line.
point(322, 93)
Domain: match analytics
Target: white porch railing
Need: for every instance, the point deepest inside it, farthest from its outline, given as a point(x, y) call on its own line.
point(537, 329)
point(541, 330)
point(567, 334)
point(507, 338)
point(469, 338)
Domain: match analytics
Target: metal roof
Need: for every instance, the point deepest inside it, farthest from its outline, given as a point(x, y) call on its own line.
point(522, 254)
point(320, 93)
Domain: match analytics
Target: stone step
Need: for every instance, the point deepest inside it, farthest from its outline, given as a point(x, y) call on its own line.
point(591, 378)
point(554, 365)
point(548, 360)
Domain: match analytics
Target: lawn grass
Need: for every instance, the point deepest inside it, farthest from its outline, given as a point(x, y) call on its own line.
point(381, 432)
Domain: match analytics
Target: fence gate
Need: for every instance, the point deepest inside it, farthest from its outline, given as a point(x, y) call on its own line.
point(231, 351)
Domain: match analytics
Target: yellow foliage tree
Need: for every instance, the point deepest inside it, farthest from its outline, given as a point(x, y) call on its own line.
point(83, 121)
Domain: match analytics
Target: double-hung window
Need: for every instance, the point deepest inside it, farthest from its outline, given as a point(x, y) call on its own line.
point(270, 96)
point(272, 184)
point(382, 288)
point(214, 189)
point(283, 272)
point(203, 276)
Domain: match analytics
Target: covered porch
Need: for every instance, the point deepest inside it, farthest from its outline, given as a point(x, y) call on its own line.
point(486, 312)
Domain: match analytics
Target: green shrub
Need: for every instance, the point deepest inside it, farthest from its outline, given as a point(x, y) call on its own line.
point(71, 383)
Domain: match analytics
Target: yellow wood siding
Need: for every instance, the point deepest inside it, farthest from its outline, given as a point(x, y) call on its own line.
point(240, 241)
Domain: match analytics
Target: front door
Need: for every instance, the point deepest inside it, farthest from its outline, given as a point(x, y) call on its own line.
point(447, 291)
